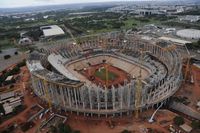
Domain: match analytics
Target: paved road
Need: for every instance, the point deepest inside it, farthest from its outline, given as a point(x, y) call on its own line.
point(13, 60)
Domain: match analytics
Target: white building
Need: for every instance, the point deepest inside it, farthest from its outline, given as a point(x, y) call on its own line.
point(189, 33)
point(25, 41)
point(190, 18)
point(186, 128)
point(52, 30)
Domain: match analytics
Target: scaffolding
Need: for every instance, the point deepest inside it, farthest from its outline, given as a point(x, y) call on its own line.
point(78, 96)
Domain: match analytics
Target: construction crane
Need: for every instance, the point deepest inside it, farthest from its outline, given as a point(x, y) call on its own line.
point(138, 91)
point(187, 69)
point(139, 80)
point(47, 95)
point(187, 61)
point(76, 42)
point(106, 69)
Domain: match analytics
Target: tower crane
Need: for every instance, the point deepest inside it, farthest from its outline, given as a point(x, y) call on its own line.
point(187, 69)
point(47, 95)
point(138, 91)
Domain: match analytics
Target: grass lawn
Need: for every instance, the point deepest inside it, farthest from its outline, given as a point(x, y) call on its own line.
point(6, 43)
point(134, 23)
point(102, 74)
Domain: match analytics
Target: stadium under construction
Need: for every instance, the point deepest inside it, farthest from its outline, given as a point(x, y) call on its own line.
point(111, 74)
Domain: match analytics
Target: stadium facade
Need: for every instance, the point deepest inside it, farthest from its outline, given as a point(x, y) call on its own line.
point(62, 88)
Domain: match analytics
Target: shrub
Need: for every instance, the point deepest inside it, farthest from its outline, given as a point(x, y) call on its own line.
point(195, 124)
point(77, 131)
point(26, 126)
point(7, 57)
point(53, 129)
point(18, 109)
point(21, 64)
point(2, 109)
point(64, 128)
point(178, 120)
point(15, 70)
point(126, 131)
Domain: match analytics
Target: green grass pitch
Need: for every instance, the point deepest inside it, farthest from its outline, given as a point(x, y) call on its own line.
point(102, 74)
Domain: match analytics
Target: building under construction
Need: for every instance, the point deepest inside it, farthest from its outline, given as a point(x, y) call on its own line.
point(59, 72)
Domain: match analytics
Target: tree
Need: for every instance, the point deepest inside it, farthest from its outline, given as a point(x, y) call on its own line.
point(126, 131)
point(76, 131)
point(7, 57)
point(53, 129)
point(64, 128)
point(195, 124)
point(178, 120)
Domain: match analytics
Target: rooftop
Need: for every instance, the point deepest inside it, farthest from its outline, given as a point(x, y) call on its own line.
point(52, 30)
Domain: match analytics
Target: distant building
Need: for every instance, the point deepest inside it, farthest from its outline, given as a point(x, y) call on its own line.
point(190, 18)
point(186, 128)
point(52, 30)
point(10, 104)
point(29, 19)
point(147, 12)
point(5, 95)
point(25, 41)
point(189, 33)
point(9, 78)
point(10, 100)
point(45, 17)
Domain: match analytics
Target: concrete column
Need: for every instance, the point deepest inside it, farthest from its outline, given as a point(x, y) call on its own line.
point(98, 98)
point(69, 97)
point(75, 97)
point(90, 98)
point(113, 97)
point(106, 98)
point(65, 97)
point(82, 97)
point(121, 98)
point(128, 96)
point(62, 95)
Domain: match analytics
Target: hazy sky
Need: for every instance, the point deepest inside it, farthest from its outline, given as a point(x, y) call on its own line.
point(20, 3)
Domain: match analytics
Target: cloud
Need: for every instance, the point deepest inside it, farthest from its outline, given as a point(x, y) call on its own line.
point(44, 0)
point(22, 3)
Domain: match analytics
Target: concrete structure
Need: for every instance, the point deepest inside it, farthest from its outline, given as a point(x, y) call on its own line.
point(189, 33)
point(25, 41)
point(148, 12)
point(174, 40)
point(10, 104)
point(67, 90)
point(9, 78)
point(5, 95)
point(52, 30)
point(186, 128)
point(185, 110)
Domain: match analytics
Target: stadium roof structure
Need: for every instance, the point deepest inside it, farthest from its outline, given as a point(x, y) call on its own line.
point(179, 41)
point(52, 30)
point(189, 33)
